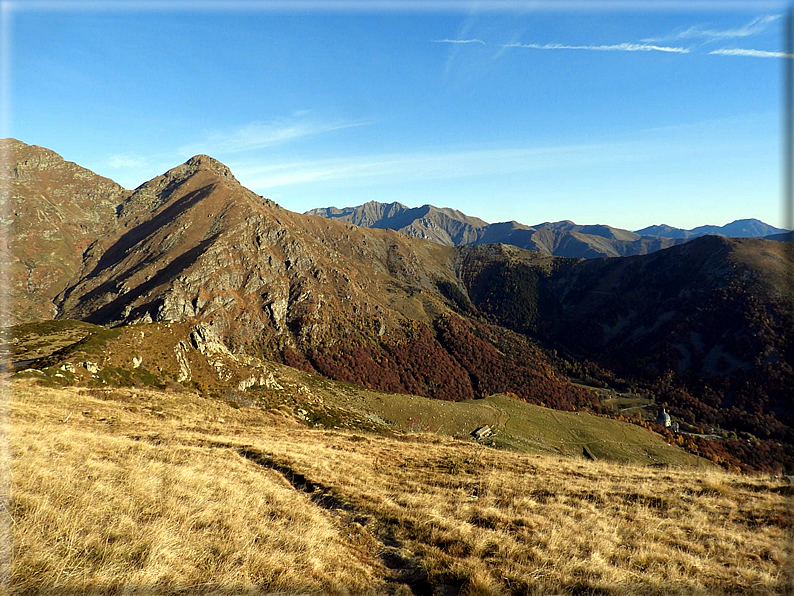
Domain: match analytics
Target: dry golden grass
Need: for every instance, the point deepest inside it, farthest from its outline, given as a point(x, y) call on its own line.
point(500, 522)
point(96, 507)
point(150, 492)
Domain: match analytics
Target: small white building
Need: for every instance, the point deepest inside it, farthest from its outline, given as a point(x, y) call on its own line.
point(663, 418)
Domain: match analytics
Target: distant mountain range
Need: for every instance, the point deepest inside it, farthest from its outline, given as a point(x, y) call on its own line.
point(563, 238)
point(741, 228)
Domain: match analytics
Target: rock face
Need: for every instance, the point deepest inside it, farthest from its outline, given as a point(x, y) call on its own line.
point(453, 228)
point(53, 212)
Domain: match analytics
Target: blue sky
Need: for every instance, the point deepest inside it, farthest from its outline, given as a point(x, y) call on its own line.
point(629, 117)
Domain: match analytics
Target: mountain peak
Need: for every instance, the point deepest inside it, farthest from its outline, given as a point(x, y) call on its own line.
point(206, 163)
point(150, 195)
point(194, 165)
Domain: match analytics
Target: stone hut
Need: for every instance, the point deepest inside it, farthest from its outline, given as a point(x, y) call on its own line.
point(482, 432)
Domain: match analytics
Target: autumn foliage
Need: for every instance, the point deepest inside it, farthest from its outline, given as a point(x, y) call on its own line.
point(454, 360)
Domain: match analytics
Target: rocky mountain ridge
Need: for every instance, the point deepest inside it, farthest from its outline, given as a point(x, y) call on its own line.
point(562, 238)
point(359, 305)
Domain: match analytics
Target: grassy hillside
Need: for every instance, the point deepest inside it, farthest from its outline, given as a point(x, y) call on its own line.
point(29, 341)
point(152, 356)
point(517, 425)
point(135, 491)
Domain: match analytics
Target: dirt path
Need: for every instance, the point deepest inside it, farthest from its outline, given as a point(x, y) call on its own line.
point(404, 569)
point(502, 417)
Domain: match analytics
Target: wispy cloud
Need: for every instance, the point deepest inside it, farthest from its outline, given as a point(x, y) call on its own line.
point(257, 135)
point(751, 53)
point(620, 47)
point(427, 165)
point(754, 27)
point(126, 160)
point(462, 37)
point(480, 41)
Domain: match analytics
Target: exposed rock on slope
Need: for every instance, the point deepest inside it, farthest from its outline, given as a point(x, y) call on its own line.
point(55, 210)
point(197, 244)
point(370, 307)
